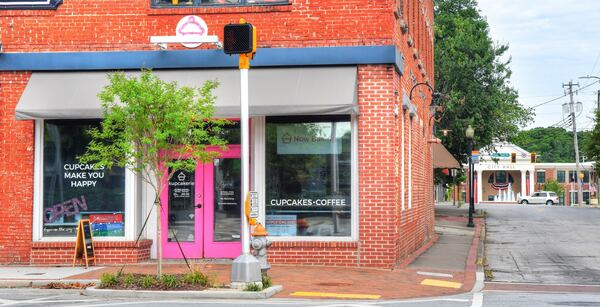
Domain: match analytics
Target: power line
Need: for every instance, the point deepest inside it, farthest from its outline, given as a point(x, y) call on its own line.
point(595, 62)
point(565, 95)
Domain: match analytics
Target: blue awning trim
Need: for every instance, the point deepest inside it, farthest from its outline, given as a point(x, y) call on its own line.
point(176, 59)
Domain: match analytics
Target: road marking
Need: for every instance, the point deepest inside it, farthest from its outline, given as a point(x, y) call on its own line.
point(477, 299)
point(435, 274)
point(337, 295)
point(441, 283)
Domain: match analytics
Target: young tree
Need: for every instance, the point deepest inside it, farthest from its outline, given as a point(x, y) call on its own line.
point(154, 128)
point(470, 71)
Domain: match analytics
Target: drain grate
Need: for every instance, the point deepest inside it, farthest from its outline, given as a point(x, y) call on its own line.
point(35, 273)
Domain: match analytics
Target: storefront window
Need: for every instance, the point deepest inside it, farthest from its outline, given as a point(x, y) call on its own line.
point(308, 176)
point(500, 177)
point(73, 190)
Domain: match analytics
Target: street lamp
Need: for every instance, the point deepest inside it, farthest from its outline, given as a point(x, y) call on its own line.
point(470, 133)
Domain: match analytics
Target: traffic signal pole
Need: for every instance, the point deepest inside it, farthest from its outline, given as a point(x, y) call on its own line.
point(245, 268)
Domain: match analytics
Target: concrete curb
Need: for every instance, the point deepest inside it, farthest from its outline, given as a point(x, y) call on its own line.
point(28, 283)
point(211, 293)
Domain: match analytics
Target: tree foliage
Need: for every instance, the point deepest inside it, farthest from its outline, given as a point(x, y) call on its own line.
point(154, 128)
point(551, 144)
point(592, 146)
point(470, 71)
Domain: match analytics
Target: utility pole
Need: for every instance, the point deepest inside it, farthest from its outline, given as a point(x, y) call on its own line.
point(571, 109)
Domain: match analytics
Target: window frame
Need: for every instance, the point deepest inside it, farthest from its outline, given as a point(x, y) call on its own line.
point(354, 212)
point(38, 197)
point(30, 5)
point(564, 176)
point(540, 175)
point(198, 4)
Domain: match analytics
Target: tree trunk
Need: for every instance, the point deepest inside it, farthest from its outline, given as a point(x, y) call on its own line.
point(157, 203)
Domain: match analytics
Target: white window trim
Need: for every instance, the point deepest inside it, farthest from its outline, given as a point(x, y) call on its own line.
point(354, 195)
point(410, 166)
point(402, 183)
point(38, 188)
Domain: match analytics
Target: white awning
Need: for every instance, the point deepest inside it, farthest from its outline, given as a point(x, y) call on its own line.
point(273, 91)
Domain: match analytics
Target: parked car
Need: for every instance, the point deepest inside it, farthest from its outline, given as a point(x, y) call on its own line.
point(541, 197)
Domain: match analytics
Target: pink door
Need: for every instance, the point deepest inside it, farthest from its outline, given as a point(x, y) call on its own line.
point(201, 209)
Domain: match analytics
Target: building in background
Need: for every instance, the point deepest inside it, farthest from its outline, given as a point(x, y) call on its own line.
point(340, 153)
point(505, 171)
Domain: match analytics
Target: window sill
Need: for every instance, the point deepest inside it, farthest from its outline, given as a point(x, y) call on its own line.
point(103, 244)
point(315, 244)
point(169, 10)
point(27, 12)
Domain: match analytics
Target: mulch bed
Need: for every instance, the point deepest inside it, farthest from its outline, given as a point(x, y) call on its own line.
point(183, 286)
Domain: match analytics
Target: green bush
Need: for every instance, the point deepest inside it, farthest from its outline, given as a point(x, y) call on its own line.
point(170, 281)
point(108, 280)
point(196, 278)
point(147, 281)
point(128, 280)
point(253, 287)
point(266, 281)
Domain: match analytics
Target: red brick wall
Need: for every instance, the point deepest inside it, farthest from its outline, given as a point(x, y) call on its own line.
point(106, 252)
point(386, 233)
point(16, 172)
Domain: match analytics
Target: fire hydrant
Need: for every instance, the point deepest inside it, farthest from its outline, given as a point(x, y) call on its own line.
point(259, 244)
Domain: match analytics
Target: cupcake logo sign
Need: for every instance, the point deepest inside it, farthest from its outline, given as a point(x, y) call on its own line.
point(192, 27)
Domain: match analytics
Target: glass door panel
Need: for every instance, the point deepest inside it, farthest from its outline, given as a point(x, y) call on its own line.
point(227, 191)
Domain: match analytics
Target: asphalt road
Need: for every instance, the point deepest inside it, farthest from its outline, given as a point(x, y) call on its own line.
point(38, 297)
point(543, 244)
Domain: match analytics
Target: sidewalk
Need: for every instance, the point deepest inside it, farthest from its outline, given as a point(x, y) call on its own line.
point(444, 268)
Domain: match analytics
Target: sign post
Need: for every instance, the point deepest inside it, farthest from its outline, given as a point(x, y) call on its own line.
point(241, 39)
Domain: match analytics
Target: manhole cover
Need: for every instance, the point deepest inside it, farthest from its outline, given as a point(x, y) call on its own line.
point(35, 273)
point(334, 284)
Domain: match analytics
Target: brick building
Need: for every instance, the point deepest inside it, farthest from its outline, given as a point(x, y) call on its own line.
point(505, 171)
point(337, 71)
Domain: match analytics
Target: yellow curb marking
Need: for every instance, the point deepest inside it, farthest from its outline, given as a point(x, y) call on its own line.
point(441, 283)
point(337, 295)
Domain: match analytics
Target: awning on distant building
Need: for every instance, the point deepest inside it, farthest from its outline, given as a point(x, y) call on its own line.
point(273, 91)
point(442, 158)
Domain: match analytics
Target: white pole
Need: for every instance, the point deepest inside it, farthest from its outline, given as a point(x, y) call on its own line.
point(245, 157)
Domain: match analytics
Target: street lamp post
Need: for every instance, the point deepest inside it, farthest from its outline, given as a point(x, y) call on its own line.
point(470, 133)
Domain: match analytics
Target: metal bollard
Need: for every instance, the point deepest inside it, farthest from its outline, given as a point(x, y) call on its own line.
point(259, 244)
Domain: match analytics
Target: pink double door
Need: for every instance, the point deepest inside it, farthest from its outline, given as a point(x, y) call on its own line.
point(201, 209)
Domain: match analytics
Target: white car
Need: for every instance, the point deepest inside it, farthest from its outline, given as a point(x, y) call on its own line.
point(541, 197)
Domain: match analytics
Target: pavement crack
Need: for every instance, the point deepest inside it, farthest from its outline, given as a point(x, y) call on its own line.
point(516, 264)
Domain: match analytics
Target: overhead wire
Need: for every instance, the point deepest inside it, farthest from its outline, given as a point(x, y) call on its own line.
point(565, 95)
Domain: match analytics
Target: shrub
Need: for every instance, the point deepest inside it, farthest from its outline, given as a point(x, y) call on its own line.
point(170, 281)
point(196, 278)
point(266, 281)
point(253, 287)
point(108, 280)
point(128, 280)
point(147, 281)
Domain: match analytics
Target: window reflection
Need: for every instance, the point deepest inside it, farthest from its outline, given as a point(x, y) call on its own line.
point(308, 176)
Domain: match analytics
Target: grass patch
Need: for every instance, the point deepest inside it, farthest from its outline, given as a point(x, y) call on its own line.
point(191, 281)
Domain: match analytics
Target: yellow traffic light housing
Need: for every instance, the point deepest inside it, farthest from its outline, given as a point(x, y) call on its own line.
point(513, 158)
point(533, 157)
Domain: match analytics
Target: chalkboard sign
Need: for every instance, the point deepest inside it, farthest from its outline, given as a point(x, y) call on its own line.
point(84, 245)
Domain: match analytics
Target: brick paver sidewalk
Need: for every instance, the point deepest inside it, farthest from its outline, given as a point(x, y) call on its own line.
point(398, 283)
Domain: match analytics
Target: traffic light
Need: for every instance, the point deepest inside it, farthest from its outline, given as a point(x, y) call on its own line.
point(513, 158)
point(533, 157)
point(239, 38)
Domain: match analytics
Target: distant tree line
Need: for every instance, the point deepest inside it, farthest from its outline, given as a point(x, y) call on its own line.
point(553, 144)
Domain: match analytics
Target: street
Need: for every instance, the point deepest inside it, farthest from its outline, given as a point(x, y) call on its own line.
point(543, 245)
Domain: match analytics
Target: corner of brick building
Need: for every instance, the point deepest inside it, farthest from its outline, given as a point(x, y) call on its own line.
point(16, 173)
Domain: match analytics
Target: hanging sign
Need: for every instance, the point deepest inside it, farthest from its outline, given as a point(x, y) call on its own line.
point(84, 244)
point(191, 27)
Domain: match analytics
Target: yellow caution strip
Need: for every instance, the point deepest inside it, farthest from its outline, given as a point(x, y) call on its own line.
point(441, 283)
point(337, 295)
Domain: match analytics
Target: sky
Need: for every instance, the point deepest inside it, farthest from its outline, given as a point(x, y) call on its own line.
point(551, 42)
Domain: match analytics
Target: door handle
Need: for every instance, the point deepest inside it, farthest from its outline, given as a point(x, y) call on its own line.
point(198, 206)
